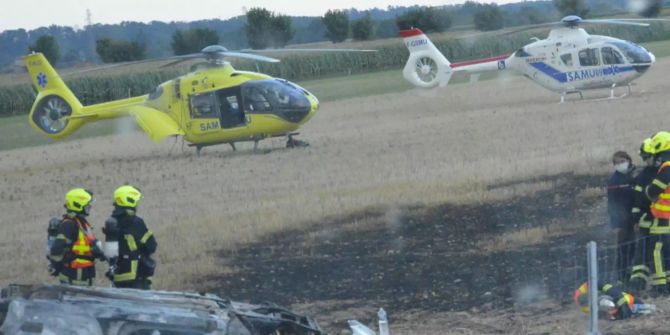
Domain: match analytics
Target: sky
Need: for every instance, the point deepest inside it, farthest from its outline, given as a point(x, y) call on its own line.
point(24, 14)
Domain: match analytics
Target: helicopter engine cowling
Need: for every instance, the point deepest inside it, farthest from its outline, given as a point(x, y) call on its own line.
point(426, 66)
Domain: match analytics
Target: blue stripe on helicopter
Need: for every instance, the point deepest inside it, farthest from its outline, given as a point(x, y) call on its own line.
point(563, 77)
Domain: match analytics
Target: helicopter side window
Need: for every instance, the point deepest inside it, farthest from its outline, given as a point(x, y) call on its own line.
point(567, 59)
point(231, 114)
point(611, 56)
point(204, 106)
point(589, 57)
point(256, 101)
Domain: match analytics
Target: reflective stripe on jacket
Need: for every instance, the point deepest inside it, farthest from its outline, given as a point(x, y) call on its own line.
point(82, 247)
point(660, 207)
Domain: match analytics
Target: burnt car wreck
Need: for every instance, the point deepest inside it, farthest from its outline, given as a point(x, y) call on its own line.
point(63, 309)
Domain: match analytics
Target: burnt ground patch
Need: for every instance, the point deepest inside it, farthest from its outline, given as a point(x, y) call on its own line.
point(427, 258)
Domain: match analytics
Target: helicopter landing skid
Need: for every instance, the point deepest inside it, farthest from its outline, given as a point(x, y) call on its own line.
point(199, 147)
point(612, 95)
point(563, 94)
point(294, 143)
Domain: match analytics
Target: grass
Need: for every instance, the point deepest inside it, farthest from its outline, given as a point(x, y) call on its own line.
point(16, 133)
point(659, 48)
point(378, 151)
point(381, 151)
point(361, 85)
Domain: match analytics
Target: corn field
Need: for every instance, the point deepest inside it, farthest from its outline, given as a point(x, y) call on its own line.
point(18, 99)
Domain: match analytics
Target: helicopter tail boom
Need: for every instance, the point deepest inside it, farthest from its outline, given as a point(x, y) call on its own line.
point(426, 66)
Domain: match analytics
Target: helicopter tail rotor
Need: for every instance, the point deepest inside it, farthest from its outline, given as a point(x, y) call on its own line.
point(55, 104)
point(426, 66)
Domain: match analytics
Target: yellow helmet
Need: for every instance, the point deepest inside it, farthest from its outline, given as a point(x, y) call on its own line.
point(78, 200)
point(127, 196)
point(660, 142)
point(645, 148)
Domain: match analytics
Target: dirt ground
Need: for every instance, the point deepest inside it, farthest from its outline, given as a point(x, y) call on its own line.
point(423, 262)
point(415, 203)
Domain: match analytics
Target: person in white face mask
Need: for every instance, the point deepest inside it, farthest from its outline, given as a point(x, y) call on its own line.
point(619, 205)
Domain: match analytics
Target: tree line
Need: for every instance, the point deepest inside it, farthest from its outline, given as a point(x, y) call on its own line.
point(266, 29)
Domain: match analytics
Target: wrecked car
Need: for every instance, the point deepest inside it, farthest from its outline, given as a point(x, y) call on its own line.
point(63, 309)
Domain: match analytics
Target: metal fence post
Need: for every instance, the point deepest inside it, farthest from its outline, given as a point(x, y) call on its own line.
point(592, 260)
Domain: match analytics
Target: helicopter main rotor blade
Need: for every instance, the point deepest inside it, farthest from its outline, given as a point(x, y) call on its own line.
point(642, 19)
point(179, 59)
point(573, 21)
point(250, 56)
point(291, 50)
point(615, 22)
point(531, 27)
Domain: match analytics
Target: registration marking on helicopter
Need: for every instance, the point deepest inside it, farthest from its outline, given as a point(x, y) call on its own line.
point(207, 126)
point(594, 73)
point(571, 76)
point(417, 43)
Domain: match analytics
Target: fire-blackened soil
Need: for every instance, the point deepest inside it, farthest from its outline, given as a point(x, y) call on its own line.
point(434, 259)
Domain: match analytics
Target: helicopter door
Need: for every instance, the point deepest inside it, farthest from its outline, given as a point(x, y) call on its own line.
point(566, 59)
point(589, 57)
point(231, 114)
point(611, 56)
point(205, 112)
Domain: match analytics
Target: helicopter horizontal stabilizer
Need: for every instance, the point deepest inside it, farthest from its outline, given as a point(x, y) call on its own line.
point(426, 66)
point(155, 123)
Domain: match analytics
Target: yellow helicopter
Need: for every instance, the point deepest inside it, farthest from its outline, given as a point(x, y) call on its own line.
point(213, 104)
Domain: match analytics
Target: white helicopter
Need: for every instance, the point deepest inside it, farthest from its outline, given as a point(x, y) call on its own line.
point(568, 61)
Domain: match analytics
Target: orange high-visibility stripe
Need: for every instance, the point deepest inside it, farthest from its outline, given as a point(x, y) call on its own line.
point(661, 207)
point(579, 291)
point(82, 248)
point(629, 299)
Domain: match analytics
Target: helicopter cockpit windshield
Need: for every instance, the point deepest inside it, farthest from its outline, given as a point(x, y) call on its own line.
point(634, 53)
point(275, 96)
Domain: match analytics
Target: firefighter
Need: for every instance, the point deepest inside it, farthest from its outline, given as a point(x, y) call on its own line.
point(131, 265)
point(613, 303)
point(619, 205)
point(658, 193)
point(642, 217)
point(75, 248)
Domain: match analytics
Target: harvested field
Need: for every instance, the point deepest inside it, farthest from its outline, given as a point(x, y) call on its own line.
point(225, 216)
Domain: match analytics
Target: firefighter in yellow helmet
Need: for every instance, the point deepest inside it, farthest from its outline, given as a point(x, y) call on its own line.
point(658, 192)
point(613, 303)
point(641, 211)
point(129, 244)
point(75, 248)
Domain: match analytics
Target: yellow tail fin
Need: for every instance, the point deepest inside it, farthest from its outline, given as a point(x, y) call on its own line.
point(55, 102)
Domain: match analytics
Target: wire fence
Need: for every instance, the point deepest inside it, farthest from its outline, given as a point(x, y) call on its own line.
point(557, 280)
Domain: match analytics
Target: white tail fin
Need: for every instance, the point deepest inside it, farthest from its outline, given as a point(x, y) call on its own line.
point(426, 66)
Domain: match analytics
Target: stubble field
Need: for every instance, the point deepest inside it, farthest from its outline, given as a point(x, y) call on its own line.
point(377, 154)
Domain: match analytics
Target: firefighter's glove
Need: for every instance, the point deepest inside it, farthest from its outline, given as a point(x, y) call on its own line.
point(110, 273)
point(54, 269)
